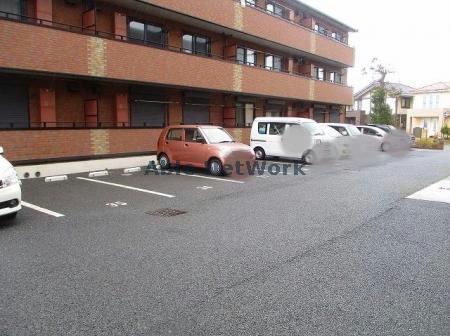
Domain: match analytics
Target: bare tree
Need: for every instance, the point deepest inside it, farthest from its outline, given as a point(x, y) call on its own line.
point(377, 68)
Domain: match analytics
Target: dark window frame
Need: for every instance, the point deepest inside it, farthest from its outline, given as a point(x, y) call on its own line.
point(164, 34)
point(317, 72)
point(406, 102)
point(275, 7)
point(319, 28)
point(194, 50)
point(22, 10)
point(272, 66)
point(245, 61)
point(243, 111)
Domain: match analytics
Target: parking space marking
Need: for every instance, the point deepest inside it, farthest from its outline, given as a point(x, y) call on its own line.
point(43, 210)
point(127, 187)
point(195, 175)
point(437, 192)
point(204, 187)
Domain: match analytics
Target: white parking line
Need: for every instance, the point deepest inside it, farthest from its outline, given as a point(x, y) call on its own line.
point(194, 175)
point(437, 192)
point(38, 208)
point(127, 187)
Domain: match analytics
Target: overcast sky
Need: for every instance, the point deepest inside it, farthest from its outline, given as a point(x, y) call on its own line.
point(410, 37)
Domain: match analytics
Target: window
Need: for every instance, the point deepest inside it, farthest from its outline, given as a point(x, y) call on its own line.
point(424, 101)
point(430, 101)
point(337, 36)
point(406, 103)
point(320, 29)
point(319, 73)
point(370, 131)
point(262, 128)
point(437, 100)
point(250, 2)
point(217, 135)
point(175, 134)
point(146, 33)
point(276, 9)
point(244, 114)
point(196, 44)
point(11, 7)
point(246, 56)
point(274, 62)
point(342, 130)
point(193, 135)
point(336, 77)
point(277, 128)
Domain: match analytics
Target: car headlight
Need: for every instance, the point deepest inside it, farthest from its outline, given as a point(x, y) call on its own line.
point(8, 178)
point(317, 142)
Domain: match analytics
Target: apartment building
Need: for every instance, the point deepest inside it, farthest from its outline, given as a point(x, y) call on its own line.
point(81, 79)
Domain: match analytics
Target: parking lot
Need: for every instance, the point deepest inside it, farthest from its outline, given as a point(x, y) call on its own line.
point(193, 254)
point(146, 190)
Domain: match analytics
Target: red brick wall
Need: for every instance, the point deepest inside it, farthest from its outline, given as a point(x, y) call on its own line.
point(39, 48)
point(45, 144)
point(230, 14)
point(50, 144)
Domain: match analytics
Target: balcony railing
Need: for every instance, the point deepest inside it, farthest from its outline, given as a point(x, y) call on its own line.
point(126, 39)
point(75, 125)
point(285, 16)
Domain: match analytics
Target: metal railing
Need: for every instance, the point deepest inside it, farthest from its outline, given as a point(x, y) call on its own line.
point(76, 125)
point(127, 39)
point(286, 17)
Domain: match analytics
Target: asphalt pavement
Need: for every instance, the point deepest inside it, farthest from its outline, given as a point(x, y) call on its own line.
point(338, 251)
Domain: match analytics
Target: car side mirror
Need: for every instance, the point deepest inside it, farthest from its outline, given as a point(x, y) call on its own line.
point(379, 135)
point(1, 150)
point(200, 140)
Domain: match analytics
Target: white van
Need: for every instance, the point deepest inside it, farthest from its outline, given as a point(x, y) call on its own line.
point(267, 139)
point(10, 191)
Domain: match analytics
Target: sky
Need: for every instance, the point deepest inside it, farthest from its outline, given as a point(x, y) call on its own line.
point(412, 38)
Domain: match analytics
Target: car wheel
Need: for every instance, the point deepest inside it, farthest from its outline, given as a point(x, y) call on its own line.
point(385, 147)
point(309, 157)
point(215, 167)
point(164, 161)
point(259, 153)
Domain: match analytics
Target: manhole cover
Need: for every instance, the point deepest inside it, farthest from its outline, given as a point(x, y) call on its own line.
point(166, 212)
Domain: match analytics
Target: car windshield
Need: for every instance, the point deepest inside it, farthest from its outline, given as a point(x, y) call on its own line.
point(353, 130)
point(217, 135)
point(330, 131)
point(313, 128)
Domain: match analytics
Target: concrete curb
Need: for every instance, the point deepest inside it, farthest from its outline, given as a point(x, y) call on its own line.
point(56, 178)
point(76, 167)
point(99, 173)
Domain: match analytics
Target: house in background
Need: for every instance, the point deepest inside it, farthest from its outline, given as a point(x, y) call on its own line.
point(359, 113)
point(430, 109)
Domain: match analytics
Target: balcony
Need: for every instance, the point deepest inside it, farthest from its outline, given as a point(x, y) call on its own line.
point(52, 49)
point(258, 22)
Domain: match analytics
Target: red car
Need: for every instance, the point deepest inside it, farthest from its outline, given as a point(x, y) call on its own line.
point(210, 147)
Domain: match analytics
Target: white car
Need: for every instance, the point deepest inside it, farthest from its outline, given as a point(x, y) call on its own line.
point(345, 129)
point(287, 137)
point(10, 191)
point(339, 147)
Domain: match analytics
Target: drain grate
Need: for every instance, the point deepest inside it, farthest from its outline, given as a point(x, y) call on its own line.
point(166, 212)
